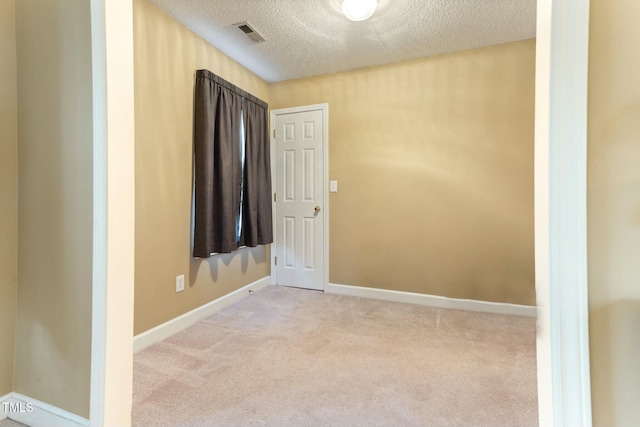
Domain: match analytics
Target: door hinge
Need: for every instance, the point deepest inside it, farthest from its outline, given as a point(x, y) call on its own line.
point(275, 260)
point(274, 133)
point(275, 198)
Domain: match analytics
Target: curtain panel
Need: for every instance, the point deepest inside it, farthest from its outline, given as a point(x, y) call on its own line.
point(224, 185)
point(257, 225)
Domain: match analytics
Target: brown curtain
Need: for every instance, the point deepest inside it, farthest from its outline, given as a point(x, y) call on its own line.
point(219, 179)
point(257, 227)
point(217, 165)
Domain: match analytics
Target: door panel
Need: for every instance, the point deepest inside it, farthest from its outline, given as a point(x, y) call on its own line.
point(299, 187)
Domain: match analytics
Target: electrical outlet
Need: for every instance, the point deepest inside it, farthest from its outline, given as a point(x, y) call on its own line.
point(180, 283)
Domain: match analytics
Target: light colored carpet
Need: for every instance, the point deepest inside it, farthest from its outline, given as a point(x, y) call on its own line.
point(10, 423)
point(292, 357)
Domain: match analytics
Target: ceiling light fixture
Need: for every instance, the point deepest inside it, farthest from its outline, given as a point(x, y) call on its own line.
point(359, 10)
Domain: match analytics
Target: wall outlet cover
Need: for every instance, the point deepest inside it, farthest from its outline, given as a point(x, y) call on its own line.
point(180, 283)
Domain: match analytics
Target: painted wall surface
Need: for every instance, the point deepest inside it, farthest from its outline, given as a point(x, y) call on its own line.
point(614, 212)
point(53, 346)
point(434, 161)
point(166, 56)
point(8, 193)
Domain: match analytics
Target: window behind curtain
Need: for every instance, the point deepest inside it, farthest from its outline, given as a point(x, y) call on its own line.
point(242, 148)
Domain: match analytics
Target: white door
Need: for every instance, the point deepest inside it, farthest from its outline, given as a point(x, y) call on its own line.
point(300, 197)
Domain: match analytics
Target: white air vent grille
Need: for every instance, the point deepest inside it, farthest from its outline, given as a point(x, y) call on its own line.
point(249, 31)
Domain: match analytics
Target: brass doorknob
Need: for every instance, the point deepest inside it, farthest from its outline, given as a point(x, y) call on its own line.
point(317, 209)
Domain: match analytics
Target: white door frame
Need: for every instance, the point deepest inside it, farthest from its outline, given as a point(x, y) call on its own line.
point(563, 361)
point(325, 187)
point(113, 213)
point(562, 49)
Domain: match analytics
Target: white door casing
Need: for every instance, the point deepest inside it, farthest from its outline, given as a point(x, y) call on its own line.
point(562, 63)
point(103, 397)
point(112, 308)
point(299, 149)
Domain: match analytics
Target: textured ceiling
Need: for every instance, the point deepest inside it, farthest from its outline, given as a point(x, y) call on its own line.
point(311, 37)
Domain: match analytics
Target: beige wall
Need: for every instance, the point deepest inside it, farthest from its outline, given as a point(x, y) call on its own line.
point(614, 211)
point(434, 160)
point(53, 349)
point(166, 57)
point(8, 193)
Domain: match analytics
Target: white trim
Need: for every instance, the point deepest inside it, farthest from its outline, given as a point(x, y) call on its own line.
point(40, 414)
point(98, 321)
point(113, 213)
point(273, 248)
point(272, 149)
point(173, 326)
point(564, 396)
point(5, 398)
point(325, 187)
point(432, 300)
point(325, 117)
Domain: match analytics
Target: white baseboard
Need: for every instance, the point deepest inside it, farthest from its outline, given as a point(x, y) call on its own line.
point(432, 300)
point(4, 415)
point(173, 326)
point(35, 413)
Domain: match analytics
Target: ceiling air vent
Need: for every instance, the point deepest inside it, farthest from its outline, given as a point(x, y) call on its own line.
point(249, 31)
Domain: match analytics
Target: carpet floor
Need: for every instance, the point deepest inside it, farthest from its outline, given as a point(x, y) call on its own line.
point(293, 357)
point(11, 423)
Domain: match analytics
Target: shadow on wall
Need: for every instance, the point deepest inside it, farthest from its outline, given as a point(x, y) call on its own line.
point(615, 380)
point(258, 254)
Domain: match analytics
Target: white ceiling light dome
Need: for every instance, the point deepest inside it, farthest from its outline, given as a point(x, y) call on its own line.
point(359, 10)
